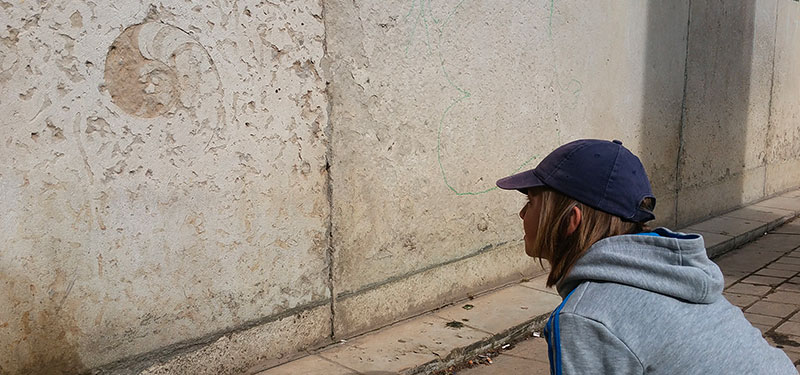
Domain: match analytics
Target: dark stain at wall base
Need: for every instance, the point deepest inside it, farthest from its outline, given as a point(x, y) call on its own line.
point(37, 338)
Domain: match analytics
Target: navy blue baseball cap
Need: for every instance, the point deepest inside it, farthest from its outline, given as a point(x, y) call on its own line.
point(601, 174)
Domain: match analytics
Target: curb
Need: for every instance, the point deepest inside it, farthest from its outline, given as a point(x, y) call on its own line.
point(743, 238)
point(511, 335)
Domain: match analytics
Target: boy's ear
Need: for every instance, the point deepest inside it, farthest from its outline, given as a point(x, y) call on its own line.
point(575, 218)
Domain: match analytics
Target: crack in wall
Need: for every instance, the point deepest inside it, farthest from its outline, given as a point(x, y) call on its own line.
point(682, 124)
point(328, 132)
point(771, 94)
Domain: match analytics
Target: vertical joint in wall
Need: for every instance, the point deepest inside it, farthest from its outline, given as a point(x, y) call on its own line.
point(682, 124)
point(769, 109)
point(329, 251)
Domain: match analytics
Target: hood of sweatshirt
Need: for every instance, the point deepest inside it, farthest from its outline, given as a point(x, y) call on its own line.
point(672, 264)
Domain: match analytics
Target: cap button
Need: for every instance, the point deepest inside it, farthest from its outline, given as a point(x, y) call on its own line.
point(617, 141)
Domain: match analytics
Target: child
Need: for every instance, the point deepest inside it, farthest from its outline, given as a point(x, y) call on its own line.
point(634, 301)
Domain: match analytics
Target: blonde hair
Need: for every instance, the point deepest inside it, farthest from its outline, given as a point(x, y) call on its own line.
point(561, 250)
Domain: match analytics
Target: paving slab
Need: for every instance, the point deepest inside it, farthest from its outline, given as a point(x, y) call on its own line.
point(741, 300)
point(784, 213)
point(756, 290)
point(516, 304)
point(745, 260)
point(793, 351)
point(733, 265)
point(732, 277)
point(405, 346)
point(761, 215)
point(781, 202)
point(780, 243)
point(780, 310)
point(781, 296)
point(776, 273)
point(526, 357)
point(790, 228)
point(789, 328)
point(711, 239)
point(789, 287)
point(785, 266)
point(788, 260)
point(766, 320)
point(763, 280)
point(509, 365)
point(535, 349)
point(310, 365)
point(726, 225)
point(763, 328)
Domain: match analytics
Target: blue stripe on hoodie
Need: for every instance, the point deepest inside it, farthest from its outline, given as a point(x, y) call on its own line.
point(554, 339)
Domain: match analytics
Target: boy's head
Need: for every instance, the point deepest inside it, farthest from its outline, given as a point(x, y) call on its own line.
point(580, 193)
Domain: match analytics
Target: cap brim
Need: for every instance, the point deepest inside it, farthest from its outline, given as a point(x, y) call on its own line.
point(521, 181)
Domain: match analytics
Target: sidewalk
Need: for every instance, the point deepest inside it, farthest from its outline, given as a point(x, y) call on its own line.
point(761, 277)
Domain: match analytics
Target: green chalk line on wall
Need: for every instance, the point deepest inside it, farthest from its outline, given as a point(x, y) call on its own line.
point(423, 13)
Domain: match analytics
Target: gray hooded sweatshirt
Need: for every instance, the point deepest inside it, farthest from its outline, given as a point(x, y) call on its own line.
point(653, 304)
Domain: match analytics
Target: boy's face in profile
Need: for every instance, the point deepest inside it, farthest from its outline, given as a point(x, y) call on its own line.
point(530, 219)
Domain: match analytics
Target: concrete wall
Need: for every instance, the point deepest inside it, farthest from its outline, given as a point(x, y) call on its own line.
point(783, 133)
point(163, 181)
point(727, 106)
point(431, 103)
point(164, 165)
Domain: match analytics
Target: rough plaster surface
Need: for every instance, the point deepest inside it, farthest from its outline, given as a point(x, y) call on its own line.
point(431, 289)
point(729, 79)
point(251, 350)
point(783, 155)
point(162, 175)
point(662, 73)
point(432, 102)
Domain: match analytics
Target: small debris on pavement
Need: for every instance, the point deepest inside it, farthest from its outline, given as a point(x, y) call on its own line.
point(507, 346)
point(523, 307)
point(455, 324)
point(467, 307)
point(536, 334)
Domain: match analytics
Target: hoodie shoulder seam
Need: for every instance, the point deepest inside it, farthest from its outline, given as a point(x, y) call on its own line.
point(577, 298)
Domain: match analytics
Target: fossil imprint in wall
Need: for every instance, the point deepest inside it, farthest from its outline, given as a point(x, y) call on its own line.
point(152, 68)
